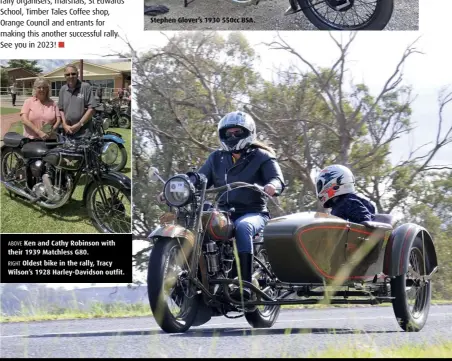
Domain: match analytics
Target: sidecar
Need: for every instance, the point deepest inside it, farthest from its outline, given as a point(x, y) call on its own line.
point(374, 262)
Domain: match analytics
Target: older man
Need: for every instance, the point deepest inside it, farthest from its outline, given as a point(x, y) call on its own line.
point(76, 103)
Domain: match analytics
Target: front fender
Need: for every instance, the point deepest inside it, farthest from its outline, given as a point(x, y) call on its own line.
point(398, 246)
point(112, 176)
point(173, 231)
point(113, 138)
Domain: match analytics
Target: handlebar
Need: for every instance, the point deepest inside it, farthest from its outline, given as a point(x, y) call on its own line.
point(236, 185)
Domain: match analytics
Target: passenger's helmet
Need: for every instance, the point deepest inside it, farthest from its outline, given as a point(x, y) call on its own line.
point(333, 181)
point(237, 142)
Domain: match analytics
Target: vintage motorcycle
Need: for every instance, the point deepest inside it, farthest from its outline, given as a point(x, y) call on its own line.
point(46, 173)
point(310, 256)
point(118, 152)
point(116, 114)
point(338, 14)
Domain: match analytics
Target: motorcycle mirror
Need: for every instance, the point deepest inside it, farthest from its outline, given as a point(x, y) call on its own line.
point(154, 175)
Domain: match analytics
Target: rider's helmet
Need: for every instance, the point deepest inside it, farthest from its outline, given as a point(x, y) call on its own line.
point(237, 142)
point(333, 181)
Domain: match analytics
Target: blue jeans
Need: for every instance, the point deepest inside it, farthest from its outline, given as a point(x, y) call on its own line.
point(246, 227)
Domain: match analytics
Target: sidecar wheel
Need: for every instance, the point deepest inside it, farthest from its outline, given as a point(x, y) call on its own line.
point(377, 21)
point(263, 316)
point(165, 256)
point(412, 318)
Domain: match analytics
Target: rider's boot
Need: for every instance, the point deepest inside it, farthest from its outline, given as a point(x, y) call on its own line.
point(246, 269)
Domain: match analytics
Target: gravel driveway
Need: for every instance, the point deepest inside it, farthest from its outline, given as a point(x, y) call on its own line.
point(267, 15)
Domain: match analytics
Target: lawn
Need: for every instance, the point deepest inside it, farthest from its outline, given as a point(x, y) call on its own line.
point(19, 216)
point(5, 111)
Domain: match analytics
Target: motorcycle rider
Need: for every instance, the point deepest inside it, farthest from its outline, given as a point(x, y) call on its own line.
point(243, 159)
point(335, 187)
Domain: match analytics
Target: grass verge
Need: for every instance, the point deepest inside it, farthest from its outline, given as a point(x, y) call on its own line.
point(120, 310)
point(5, 111)
point(71, 218)
point(442, 350)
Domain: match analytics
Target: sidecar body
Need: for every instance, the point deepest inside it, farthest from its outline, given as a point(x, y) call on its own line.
point(318, 248)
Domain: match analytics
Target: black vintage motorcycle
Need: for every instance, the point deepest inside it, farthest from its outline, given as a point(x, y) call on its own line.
point(312, 257)
point(117, 115)
point(46, 173)
point(338, 14)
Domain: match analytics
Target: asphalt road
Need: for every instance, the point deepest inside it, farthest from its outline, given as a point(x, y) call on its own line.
point(267, 15)
point(296, 333)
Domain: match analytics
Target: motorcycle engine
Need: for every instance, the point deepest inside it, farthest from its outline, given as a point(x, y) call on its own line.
point(37, 169)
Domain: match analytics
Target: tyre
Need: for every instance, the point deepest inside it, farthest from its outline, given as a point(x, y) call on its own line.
point(263, 316)
point(11, 159)
point(377, 20)
point(167, 255)
point(124, 121)
point(412, 318)
point(114, 216)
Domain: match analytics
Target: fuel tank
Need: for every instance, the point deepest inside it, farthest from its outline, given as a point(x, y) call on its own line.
point(217, 224)
point(65, 159)
point(312, 247)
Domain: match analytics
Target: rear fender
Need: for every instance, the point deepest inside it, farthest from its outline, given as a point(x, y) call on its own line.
point(398, 246)
point(112, 176)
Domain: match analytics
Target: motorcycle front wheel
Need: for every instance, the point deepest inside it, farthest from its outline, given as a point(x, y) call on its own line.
point(173, 302)
point(109, 207)
point(348, 14)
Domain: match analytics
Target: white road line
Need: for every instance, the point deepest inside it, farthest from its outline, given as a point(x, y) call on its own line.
point(213, 324)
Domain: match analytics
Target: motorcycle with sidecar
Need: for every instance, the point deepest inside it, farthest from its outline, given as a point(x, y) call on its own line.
point(300, 258)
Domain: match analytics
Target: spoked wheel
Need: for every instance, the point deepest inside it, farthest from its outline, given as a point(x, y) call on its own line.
point(173, 302)
point(348, 14)
point(124, 122)
point(412, 295)
point(263, 316)
point(109, 207)
point(11, 160)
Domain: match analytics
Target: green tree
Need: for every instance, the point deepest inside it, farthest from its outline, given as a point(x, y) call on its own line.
point(31, 65)
point(312, 118)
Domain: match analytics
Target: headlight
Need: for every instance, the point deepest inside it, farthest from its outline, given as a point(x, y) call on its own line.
point(110, 152)
point(178, 190)
point(106, 123)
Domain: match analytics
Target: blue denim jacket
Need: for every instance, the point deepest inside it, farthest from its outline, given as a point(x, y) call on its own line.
point(353, 208)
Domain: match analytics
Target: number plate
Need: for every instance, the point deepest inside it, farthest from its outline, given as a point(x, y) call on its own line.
point(177, 186)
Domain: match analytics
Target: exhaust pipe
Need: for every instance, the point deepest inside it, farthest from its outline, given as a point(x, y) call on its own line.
point(19, 191)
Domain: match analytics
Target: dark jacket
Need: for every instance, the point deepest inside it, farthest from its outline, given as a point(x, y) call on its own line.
point(255, 166)
point(353, 208)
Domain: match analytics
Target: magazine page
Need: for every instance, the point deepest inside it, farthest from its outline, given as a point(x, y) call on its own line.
point(225, 178)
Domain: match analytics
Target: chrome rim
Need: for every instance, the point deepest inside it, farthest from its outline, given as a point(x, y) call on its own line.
point(416, 289)
point(115, 214)
point(176, 290)
point(357, 14)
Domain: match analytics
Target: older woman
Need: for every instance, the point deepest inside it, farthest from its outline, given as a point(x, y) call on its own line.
point(40, 114)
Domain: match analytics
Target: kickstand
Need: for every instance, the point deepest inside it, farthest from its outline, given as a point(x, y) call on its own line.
point(186, 3)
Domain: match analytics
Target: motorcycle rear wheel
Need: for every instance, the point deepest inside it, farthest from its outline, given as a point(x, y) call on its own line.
point(266, 317)
point(377, 21)
point(7, 157)
point(160, 262)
